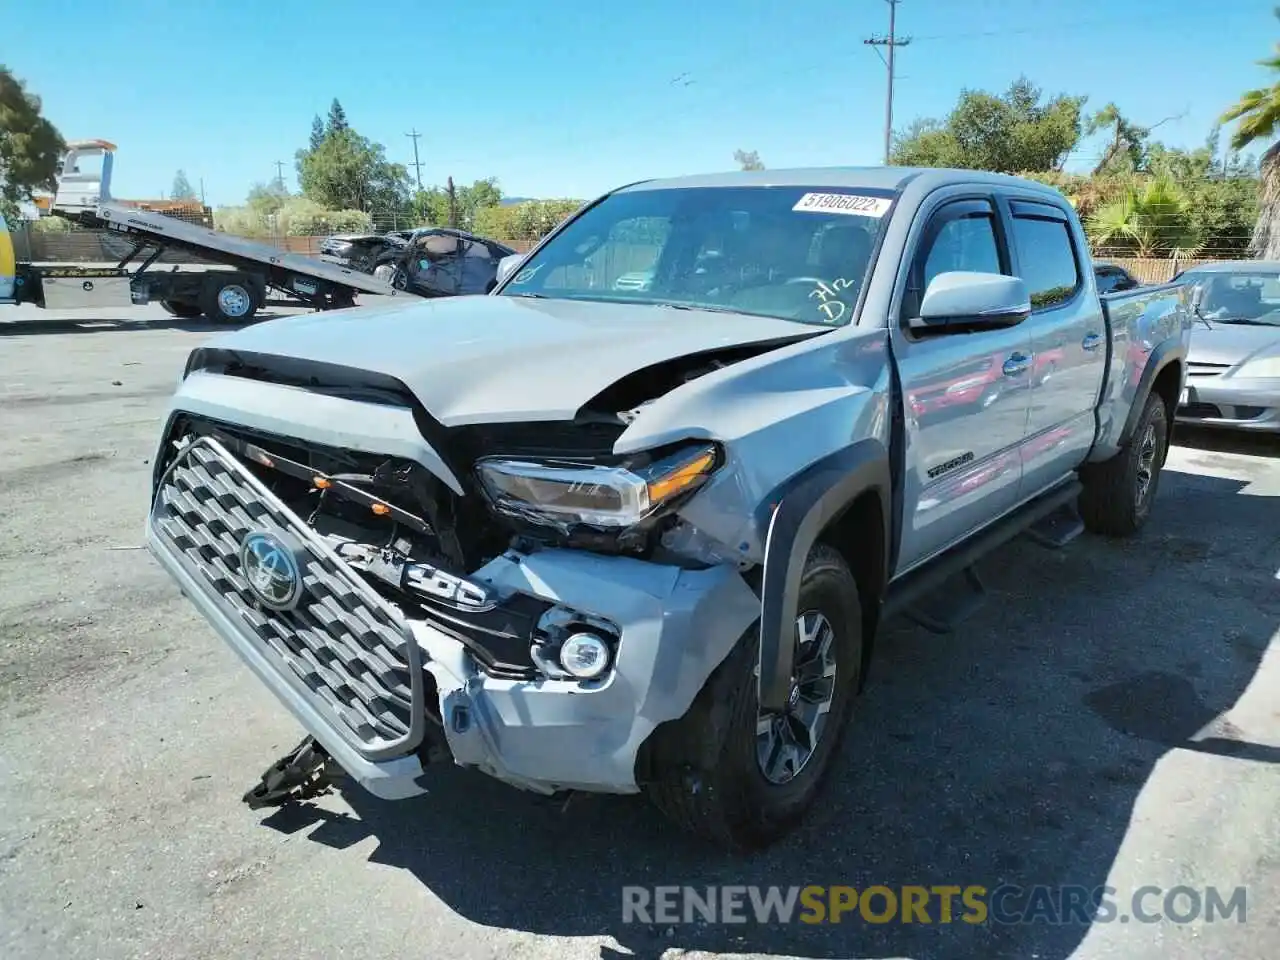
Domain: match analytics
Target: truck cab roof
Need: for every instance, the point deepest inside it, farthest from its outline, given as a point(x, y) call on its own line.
point(882, 178)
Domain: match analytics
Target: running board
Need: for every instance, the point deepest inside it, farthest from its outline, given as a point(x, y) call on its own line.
point(1057, 529)
point(906, 594)
point(948, 608)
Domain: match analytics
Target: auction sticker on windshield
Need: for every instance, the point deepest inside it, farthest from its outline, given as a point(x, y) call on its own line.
point(849, 203)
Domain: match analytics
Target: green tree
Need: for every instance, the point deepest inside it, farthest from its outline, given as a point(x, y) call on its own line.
point(351, 172)
point(747, 160)
point(317, 134)
point(1257, 118)
point(1221, 194)
point(337, 118)
point(1148, 219)
point(430, 207)
point(182, 189)
point(1218, 191)
point(267, 198)
point(268, 215)
point(30, 146)
point(497, 223)
point(1126, 150)
point(529, 220)
point(1014, 132)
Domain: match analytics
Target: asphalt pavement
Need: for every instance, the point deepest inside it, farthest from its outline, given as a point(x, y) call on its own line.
point(1112, 716)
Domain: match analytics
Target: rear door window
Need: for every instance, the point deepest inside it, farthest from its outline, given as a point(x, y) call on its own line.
point(1047, 260)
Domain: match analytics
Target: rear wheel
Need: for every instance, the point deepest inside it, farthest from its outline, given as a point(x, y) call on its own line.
point(1117, 495)
point(229, 300)
point(742, 777)
point(340, 300)
point(181, 309)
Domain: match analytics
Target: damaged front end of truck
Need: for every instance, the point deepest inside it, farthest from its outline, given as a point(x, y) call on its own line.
point(534, 606)
point(524, 532)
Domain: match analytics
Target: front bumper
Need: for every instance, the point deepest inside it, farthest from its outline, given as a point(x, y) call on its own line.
point(1235, 403)
point(543, 735)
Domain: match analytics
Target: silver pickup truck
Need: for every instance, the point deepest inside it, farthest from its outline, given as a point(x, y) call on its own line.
point(585, 536)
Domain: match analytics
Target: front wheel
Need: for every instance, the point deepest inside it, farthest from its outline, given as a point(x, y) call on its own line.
point(1117, 495)
point(739, 776)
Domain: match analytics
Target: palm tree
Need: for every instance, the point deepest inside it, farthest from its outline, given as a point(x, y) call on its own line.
point(1149, 219)
point(1259, 114)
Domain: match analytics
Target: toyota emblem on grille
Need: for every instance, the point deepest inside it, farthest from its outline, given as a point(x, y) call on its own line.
point(272, 570)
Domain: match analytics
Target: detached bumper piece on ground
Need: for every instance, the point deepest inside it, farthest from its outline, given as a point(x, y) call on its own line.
point(305, 772)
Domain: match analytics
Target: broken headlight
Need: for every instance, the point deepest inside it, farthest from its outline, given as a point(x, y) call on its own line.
point(562, 493)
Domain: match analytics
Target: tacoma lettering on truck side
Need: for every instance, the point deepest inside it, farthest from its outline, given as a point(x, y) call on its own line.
point(586, 533)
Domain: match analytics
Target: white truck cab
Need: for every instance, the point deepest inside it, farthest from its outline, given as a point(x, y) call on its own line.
point(85, 178)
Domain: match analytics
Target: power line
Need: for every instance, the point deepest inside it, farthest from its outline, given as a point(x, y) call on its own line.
point(890, 43)
point(1019, 31)
point(417, 166)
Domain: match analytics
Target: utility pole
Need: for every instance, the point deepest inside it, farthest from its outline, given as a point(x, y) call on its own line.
point(453, 204)
point(417, 167)
point(891, 42)
point(280, 174)
point(202, 199)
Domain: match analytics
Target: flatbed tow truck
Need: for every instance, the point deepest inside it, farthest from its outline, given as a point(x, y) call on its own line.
point(244, 277)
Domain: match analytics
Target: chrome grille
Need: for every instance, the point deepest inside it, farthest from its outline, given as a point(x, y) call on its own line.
point(342, 646)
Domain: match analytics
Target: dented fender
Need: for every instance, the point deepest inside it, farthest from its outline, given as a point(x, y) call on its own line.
point(797, 515)
point(806, 431)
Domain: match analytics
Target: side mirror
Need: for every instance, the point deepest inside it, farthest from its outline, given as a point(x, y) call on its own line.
point(507, 266)
point(963, 302)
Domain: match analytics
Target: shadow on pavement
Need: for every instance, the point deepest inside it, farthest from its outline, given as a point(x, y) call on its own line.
point(1011, 752)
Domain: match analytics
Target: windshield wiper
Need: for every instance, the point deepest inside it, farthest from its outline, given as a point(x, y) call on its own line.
point(528, 296)
point(1246, 321)
point(712, 308)
point(709, 308)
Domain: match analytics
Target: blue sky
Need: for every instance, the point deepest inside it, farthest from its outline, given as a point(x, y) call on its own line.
point(573, 99)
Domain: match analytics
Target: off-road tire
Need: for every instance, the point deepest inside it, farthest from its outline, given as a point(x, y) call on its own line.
point(703, 772)
point(220, 296)
point(1114, 501)
point(181, 309)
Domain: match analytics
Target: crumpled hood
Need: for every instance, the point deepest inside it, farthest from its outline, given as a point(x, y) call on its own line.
point(1232, 343)
point(487, 359)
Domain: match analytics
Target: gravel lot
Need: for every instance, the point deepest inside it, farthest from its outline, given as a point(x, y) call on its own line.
point(1113, 715)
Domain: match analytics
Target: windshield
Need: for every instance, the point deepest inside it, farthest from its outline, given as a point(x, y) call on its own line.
point(797, 253)
point(1252, 297)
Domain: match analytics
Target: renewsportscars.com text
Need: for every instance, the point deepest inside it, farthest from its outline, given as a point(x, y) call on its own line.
point(943, 903)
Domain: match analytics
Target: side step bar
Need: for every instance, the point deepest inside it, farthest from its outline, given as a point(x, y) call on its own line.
point(905, 594)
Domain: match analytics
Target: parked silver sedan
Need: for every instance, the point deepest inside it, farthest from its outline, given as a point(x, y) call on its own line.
point(1234, 363)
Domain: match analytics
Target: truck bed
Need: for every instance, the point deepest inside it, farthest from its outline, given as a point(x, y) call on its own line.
point(1137, 319)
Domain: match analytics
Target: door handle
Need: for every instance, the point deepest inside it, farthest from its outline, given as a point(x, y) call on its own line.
point(1016, 364)
point(1092, 341)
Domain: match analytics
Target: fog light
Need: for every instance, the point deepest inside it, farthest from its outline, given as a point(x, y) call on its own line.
point(584, 655)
